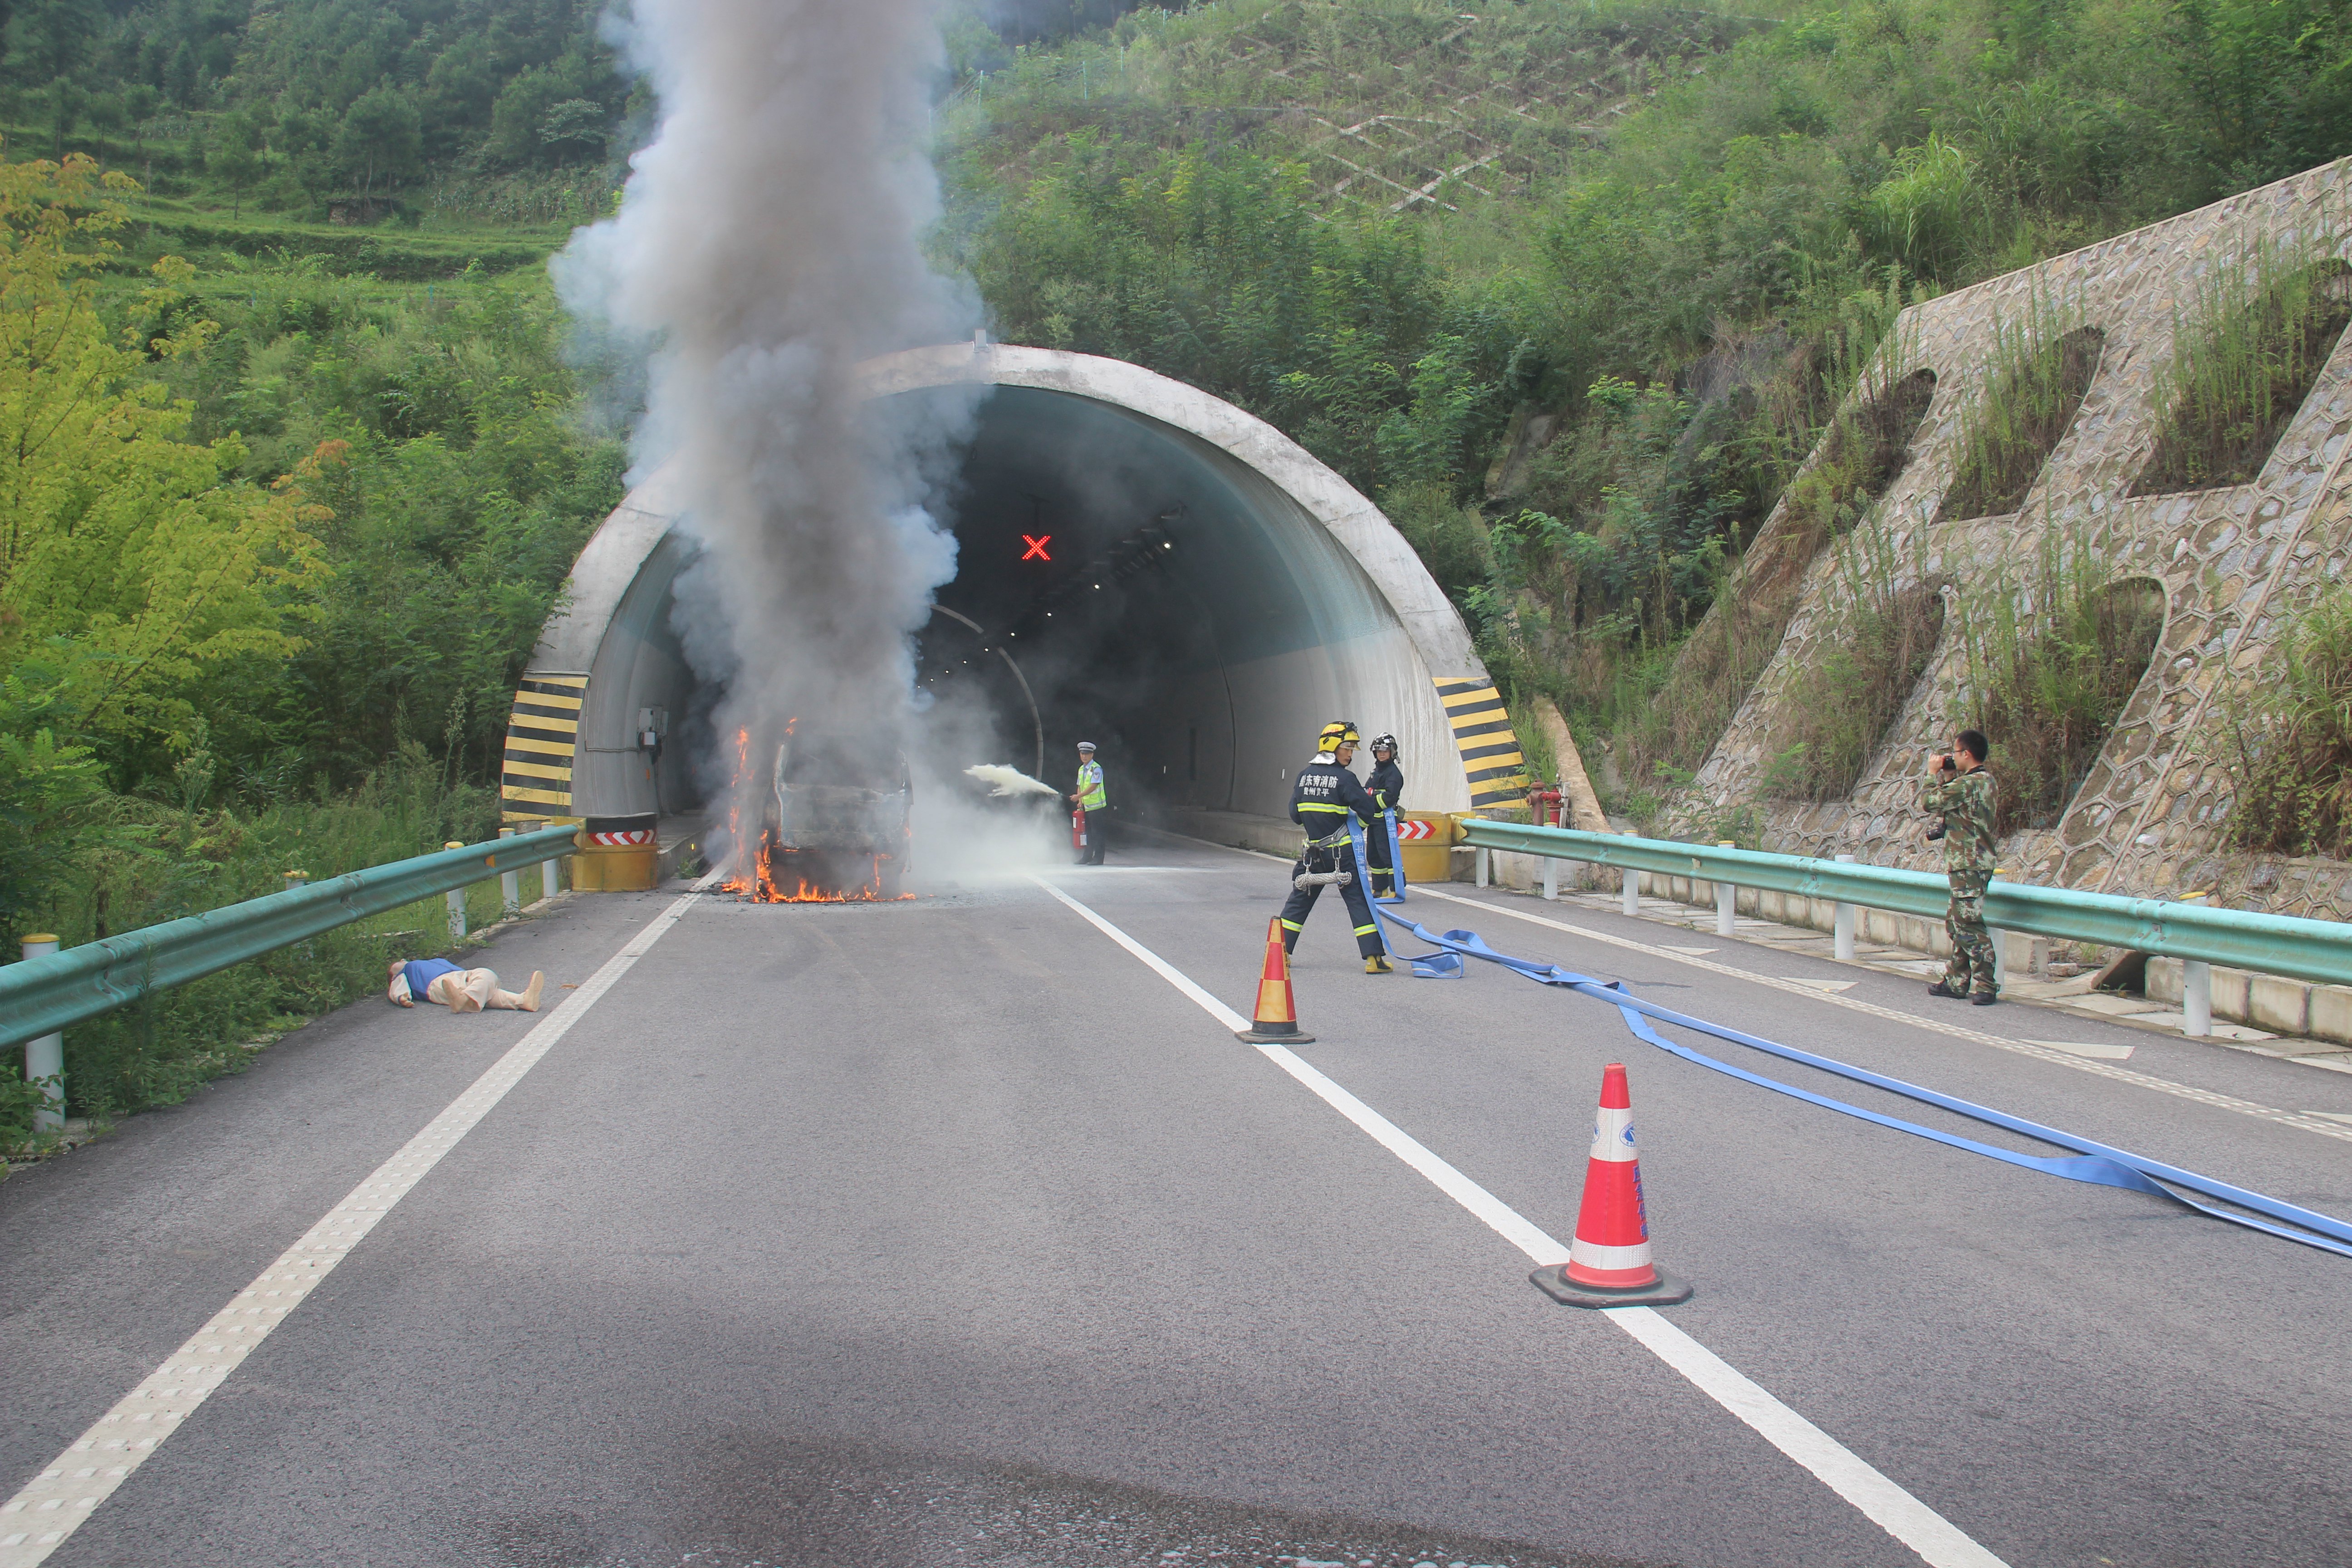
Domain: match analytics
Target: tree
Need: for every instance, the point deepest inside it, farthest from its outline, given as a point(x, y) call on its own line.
point(49, 42)
point(235, 156)
point(379, 135)
point(132, 559)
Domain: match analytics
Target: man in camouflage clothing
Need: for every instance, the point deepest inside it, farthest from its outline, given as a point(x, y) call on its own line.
point(1960, 792)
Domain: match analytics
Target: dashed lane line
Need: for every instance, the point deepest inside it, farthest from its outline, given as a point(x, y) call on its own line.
point(1933, 1538)
point(2038, 1051)
point(69, 1489)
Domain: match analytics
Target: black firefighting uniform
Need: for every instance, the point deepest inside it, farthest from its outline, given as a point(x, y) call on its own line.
point(1325, 793)
point(1386, 787)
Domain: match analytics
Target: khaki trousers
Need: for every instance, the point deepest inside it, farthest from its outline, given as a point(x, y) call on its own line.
point(471, 991)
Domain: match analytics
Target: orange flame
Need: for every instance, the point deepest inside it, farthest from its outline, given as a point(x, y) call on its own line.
point(760, 886)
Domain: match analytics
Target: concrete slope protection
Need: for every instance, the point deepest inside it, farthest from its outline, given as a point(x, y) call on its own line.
point(1143, 563)
point(949, 1231)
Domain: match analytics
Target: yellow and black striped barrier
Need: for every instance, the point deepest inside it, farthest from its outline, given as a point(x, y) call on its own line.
point(536, 780)
point(1483, 734)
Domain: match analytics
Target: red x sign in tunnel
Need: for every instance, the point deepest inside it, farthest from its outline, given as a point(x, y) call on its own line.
point(1036, 550)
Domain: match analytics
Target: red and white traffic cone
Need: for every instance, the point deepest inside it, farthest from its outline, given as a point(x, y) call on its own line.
point(1609, 1262)
point(1276, 1013)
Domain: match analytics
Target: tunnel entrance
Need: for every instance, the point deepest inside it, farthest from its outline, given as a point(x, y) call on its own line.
point(1139, 565)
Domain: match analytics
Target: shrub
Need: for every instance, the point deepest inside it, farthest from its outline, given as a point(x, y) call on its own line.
point(2052, 661)
point(1873, 649)
point(2244, 358)
point(2292, 732)
point(2010, 433)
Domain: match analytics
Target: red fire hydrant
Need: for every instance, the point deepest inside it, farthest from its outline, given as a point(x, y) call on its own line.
point(1545, 807)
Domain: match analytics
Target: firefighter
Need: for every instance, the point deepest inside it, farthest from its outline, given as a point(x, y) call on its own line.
point(1386, 787)
point(1320, 803)
point(1092, 800)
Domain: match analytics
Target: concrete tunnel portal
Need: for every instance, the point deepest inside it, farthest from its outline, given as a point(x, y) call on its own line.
point(1140, 563)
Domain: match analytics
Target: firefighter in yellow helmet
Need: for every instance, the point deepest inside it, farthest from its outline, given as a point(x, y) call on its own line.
point(1327, 793)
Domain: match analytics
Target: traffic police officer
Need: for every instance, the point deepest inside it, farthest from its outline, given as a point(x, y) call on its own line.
point(1092, 800)
point(1386, 787)
point(1320, 803)
point(1960, 792)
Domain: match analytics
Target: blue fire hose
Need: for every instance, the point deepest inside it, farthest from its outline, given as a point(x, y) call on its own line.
point(2097, 1163)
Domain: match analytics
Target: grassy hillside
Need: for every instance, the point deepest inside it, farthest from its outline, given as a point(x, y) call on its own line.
point(1570, 289)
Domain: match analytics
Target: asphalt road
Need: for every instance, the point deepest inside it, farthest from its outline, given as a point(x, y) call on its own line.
point(949, 1232)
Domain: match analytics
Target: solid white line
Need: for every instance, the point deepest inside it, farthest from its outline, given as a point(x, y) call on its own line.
point(1937, 1540)
point(54, 1504)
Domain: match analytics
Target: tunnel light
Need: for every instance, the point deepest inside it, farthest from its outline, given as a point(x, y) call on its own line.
point(1166, 544)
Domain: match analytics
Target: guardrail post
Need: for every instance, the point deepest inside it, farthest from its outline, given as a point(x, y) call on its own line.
point(1841, 925)
point(2195, 991)
point(297, 879)
point(2196, 999)
point(510, 885)
point(1551, 878)
point(2000, 951)
point(456, 897)
point(547, 871)
point(1632, 889)
point(45, 1058)
point(1727, 894)
point(1482, 866)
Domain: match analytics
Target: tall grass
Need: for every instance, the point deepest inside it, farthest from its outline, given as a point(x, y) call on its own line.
point(2292, 732)
point(2054, 653)
point(2008, 435)
point(1683, 706)
point(1875, 641)
point(2247, 349)
point(166, 859)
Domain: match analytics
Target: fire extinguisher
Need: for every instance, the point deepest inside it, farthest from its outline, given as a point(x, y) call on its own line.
point(1078, 828)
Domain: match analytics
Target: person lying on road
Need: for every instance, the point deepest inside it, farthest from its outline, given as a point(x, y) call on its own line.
point(459, 990)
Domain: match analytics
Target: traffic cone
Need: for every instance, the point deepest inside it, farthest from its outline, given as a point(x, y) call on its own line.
point(1609, 1262)
point(1276, 1020)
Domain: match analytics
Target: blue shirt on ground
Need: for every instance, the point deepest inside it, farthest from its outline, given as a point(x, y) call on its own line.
point(422, 972)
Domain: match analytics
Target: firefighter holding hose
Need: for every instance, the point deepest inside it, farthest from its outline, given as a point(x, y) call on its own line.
point(1321, 802)
point(1386, 787)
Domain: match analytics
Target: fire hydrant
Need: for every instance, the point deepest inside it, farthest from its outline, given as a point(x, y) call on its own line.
point(1546, 807)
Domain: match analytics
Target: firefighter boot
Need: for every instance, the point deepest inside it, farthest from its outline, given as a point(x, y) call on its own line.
point(1378, 964)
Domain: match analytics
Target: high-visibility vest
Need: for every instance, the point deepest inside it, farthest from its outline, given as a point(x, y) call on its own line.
point(1091, 794)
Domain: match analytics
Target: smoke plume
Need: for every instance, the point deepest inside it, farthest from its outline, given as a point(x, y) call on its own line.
point(768, 239)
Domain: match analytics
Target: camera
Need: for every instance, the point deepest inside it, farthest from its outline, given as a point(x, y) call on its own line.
point(1935, 833)
point(1944, 763)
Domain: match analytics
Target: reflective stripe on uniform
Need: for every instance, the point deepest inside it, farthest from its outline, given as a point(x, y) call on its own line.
point(1363, 930)
point(1292, 925)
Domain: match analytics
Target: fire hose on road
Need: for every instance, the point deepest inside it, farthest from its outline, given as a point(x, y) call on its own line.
point(2094, 1163)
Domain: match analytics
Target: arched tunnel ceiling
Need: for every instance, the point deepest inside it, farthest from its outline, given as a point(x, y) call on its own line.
point(1209, 595)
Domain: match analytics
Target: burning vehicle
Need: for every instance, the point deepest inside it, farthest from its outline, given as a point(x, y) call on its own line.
point(839, 820)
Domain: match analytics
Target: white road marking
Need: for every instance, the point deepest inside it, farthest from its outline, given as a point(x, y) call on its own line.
point(1821, 984)
point(1956, 1031)
point(2086, 1048)
point(1935, 1538)
point(55, 1503)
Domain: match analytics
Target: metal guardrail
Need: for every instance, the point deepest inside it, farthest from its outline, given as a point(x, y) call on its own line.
point(2318, 950)
point(41, 996)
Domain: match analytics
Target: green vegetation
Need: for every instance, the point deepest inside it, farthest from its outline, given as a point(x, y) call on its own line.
point(347, 107)
point(278, 542)
point(1874, 645)
point(1524, 257)
point(2010, 432)
point(2293, 733)
point(2247, 353)
point(1572, 290)
point(2053, 654)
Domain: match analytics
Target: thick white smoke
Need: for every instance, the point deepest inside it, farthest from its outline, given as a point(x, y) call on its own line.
point(770, 237)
